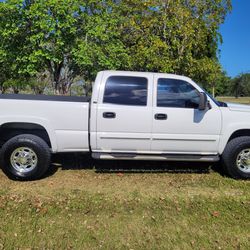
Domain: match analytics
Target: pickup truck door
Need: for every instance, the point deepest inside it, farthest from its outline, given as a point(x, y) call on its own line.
point(124, 113)
point(179, 127)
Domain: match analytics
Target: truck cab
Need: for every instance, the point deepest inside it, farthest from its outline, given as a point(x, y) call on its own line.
point(154, 115)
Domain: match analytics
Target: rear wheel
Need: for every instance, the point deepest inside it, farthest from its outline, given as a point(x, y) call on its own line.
point(25, 157)
point(236, 158)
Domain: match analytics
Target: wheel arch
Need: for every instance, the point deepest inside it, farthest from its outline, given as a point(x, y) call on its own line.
point(41, 129)
point(240, 132)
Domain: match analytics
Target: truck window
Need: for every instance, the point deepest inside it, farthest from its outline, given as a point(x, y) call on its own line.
point(177, 94)
point(126, 90)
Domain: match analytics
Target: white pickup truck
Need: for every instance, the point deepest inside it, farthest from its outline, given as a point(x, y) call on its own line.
point(131, 116)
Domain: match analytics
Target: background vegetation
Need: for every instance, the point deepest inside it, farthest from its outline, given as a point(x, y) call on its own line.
point(58, 46)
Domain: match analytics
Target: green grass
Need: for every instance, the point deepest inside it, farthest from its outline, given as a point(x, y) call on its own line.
point(242, 100)
point(85, 209)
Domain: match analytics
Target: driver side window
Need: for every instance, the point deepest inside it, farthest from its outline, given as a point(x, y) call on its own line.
point(176, 93)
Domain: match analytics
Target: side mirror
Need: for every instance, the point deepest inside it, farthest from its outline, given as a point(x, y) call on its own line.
point(203, 101)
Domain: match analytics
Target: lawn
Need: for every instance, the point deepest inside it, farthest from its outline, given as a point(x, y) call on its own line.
point(155, 206)
point(242, 100)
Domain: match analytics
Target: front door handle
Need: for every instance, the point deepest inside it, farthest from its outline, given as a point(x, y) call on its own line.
point(161, 117)
point(109, 115)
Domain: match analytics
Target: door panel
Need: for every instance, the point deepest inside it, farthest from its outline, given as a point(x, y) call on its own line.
point(186, 129)
point(120, 127)
point(128, 131)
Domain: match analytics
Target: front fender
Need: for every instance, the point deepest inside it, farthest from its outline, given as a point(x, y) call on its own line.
point(228, 131)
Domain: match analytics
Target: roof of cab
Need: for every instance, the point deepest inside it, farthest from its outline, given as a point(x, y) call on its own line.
point(174, 76)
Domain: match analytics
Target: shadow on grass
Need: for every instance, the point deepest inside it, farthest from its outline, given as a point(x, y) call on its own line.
point(73, 161)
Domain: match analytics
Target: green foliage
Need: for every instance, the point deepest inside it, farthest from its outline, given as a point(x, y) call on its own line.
point(175, 36)
point(39, 83)
point(223, 85)
point(240, 85)
point(72, 38)
point(100, 46)
point(15, 85)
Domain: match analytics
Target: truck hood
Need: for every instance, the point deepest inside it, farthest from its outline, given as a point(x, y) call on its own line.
point(238, 107)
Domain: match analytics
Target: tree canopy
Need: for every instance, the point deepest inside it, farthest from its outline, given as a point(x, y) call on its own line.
point(78, 38)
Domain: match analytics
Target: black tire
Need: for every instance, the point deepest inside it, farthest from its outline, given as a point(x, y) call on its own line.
point(37, 161)
point(230, 154)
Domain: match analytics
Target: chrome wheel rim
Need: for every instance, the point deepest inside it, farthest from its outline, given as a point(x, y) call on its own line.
point(243, 161)
point(23, 159)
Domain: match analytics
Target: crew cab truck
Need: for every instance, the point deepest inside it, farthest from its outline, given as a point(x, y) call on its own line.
point(131, 116)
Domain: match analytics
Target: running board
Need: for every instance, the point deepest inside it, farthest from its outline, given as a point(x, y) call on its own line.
point(162, 157)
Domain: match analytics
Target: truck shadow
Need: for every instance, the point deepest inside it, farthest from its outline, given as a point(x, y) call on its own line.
point(73, 161)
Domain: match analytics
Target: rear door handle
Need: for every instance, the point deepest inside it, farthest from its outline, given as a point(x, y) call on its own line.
point(109, 115)
point(161, 117)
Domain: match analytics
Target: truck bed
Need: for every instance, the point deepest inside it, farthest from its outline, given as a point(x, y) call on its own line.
point(65, 118)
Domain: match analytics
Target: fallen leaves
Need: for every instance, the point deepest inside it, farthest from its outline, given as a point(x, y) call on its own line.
point(120, 174)
point(215, 213)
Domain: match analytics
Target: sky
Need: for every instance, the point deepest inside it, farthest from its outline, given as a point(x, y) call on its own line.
point(235, 50)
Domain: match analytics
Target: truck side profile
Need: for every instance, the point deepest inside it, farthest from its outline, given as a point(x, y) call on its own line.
point(131, 116)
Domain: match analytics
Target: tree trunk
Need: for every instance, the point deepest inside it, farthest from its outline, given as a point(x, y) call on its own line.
point(237, 92)
point(3, 90)
point(61, 77)
point(16, 90)
point(213, 91)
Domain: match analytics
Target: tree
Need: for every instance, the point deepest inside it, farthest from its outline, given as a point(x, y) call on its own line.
point(71, 38)
point(223, 85)
point(38, 36)
point(15, 84)
point(68, 38)
point(241, 85)
point(100, 45)
point(11, 47)
point(51, 29)
point(174, 36)
point(40, 82)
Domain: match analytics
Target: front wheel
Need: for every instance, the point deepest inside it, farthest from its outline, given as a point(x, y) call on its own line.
point(236, 158)
point(25, 157)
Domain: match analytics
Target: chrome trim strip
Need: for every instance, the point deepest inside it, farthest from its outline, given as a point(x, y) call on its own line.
point(177, 139)
point(126, 138)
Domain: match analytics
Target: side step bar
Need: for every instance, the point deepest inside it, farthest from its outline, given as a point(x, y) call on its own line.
point(163, 157)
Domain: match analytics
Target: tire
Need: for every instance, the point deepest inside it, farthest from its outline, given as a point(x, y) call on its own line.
point(235, 164)
point(25, 157)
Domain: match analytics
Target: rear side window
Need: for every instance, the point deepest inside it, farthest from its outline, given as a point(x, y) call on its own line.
point(177, 94)
point(126, 90)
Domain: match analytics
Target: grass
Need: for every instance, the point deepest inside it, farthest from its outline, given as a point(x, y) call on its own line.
point(242, 100)
point(179, 206)
point(86, 209)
